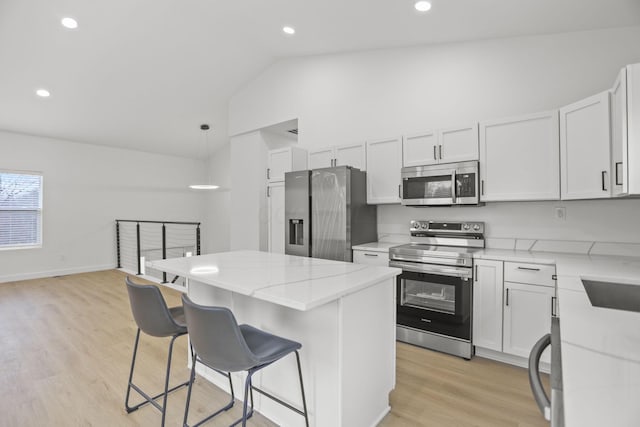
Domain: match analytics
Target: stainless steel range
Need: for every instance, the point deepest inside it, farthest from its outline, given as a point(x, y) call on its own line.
point(434, 292)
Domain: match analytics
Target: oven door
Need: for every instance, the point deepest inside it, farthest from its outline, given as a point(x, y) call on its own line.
point(446, 184)
point(435, 303)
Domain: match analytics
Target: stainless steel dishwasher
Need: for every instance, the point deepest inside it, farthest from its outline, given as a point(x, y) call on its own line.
point(552, 409)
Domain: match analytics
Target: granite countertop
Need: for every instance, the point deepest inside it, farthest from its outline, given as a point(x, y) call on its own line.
point(296, 282)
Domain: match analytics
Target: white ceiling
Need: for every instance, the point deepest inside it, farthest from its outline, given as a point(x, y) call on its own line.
point(145, 74)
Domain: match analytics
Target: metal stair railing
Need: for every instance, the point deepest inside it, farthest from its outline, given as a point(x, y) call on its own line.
point(154, 240)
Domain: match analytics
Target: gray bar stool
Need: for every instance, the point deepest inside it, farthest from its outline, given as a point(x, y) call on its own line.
point(154, 318)
point(221, 344)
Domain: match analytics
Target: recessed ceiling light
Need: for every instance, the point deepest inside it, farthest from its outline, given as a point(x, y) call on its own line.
point(422, 6)
point(43, 93)
point(69, 23)
point(289, 30)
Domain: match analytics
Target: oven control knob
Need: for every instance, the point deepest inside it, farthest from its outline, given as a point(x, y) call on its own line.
point(466, 226)
point(424, 226)
point(476, 227)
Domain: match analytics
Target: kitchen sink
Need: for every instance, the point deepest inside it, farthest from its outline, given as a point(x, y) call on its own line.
point(619, 296)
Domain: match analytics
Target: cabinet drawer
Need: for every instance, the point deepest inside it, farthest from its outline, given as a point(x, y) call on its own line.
point(371, 258)
point(535, 274)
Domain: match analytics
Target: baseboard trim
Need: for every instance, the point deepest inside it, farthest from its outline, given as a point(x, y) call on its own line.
point(53, 273)
point(510, 359)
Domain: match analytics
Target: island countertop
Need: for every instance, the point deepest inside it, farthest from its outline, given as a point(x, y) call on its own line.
point(296, 282)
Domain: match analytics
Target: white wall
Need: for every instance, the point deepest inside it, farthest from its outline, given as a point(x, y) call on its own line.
point(380, 93)
point(586, 220)
point(86, 187)
point(216, 232)
point(364, 95)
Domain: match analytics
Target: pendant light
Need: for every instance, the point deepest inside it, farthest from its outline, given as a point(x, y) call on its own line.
point(207, 185)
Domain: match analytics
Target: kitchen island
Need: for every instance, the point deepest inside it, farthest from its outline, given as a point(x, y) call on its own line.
point(342, 313)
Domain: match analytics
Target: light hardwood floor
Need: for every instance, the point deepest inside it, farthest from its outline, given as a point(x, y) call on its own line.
point(65, 350)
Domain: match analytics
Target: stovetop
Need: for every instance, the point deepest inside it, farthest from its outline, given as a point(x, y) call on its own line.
point(439, 242)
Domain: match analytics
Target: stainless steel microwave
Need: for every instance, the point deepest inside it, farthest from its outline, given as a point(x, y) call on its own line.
point(441, 184)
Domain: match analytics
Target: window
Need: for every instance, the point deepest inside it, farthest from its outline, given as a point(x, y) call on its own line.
point(20, 210)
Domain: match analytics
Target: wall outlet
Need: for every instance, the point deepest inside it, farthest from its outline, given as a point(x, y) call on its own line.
point(560, 213)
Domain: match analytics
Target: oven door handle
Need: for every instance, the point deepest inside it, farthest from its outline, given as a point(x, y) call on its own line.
point(462, 272)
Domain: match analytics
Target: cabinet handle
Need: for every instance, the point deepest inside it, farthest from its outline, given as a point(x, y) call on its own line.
point(475, 275)
point(399, 191)
point(482, 187)
point(553, 306)
point(374, 255)
point(435, 157)
point(268, 191)
point(507, 301)
point(617, 174)
point(440, 151)
point(528, 268)
point(604, 176)
point(268, 170)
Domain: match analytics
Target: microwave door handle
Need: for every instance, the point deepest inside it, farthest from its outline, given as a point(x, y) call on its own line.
point(453, 187)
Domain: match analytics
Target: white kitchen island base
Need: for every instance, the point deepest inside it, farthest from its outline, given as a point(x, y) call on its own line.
point(348, 339)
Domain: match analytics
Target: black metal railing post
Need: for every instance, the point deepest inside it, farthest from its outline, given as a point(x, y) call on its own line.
point(198, 240)
point(138, 248)
point(119, 265)
point(164, 250)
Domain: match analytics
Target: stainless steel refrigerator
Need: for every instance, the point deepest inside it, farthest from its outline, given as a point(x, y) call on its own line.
point(326, 212)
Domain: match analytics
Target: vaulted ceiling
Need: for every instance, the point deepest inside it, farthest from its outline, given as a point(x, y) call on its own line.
point(144, 74)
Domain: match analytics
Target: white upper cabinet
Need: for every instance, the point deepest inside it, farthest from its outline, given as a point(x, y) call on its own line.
point(353, 155)
point(585, 149)
point(322, 158)
point(625, 132)
point(440, 146)
point(520, 158)
point(285, 160)
point(420, 149)
point(487, 304)
point(458, 144)
point(384, 161)
point(619, 163)
point(275, 197)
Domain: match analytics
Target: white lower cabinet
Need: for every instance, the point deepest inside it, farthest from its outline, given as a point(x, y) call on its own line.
point(487, 304)
point(527, 317)
point(370, 257)
point(509, 317)
point(275, 201)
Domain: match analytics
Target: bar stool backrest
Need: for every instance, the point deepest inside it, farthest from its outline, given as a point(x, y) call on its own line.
point(150, 310)
point(216, 337)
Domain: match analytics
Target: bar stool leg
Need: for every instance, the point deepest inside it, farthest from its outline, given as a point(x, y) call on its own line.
point(191, 380)
point(133, 363)
point(166, 381)
point(304, 399)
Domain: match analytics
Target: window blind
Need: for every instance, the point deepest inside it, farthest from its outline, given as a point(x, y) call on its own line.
point(20, 209)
